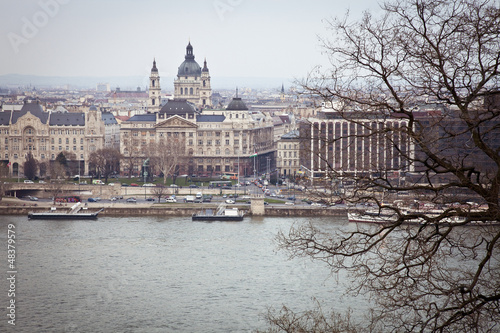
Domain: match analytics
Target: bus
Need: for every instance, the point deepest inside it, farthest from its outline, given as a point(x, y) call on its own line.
point(229, 175)
point(220, 184)
point(73, 198)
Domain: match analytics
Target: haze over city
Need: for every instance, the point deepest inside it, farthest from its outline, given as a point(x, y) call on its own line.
point(259, 39)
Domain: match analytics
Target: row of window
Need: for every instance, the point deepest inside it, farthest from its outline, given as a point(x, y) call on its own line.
point(289, 154)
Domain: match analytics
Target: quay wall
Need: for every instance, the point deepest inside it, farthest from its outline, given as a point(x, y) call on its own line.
point(182, 211)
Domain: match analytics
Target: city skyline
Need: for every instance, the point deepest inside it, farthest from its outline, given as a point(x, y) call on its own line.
point(107, 38)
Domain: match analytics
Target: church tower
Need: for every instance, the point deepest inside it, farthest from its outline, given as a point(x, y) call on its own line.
point(193, 83)
point(205, 89)
point(154, 101)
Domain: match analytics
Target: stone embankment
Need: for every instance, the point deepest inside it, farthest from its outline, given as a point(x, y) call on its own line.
point(10, 206)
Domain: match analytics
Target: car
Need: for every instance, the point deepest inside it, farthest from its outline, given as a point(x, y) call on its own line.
point(84, 182)
point(230, 201)
point(266, 203)
point(291, 203)
point(316, 204)
point(133, 200)
point(149, 185)
point(33, 198)
point(247, 183)
point(134, 184)
point(193, 186)
point(27, 181)
point(150, 199)
point(237, 184)
point(171, 200)
point(125, 184)
point(113, 199)
point(224, 196)
point(173, 185)
point(92, 200)
point(41, 182)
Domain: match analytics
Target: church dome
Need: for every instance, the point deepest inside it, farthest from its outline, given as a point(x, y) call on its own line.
point(236, 105)
point(189, 67)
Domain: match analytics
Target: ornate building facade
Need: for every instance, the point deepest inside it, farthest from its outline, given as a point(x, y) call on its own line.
point(46, 134)
point(214, 141)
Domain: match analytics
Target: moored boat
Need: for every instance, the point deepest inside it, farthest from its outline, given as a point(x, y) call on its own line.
point(221, 214)
point(77, 212)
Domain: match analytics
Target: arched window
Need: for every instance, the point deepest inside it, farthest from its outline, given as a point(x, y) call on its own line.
point(204, 83)
point(181, 91)
point(153, 83)
point(227, 151)
point(152, 101)
point(190, 91)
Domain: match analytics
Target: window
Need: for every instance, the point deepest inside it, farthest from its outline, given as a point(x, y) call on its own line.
point(209, 142)
point(81, 141)
point(42, 156)
point(74, 148)
point(67, 141)
point(81, 147)
point(200, 142)
point(60, 141)
point(190, 142)
point(227, 151)
point(236, 142)
point(217, 151)
point(227, 142)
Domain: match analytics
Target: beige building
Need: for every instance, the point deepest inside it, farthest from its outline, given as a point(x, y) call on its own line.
point(288, 154)
point(214, 142)
point(46, 134)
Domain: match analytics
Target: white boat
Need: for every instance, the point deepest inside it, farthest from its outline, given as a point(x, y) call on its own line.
point(76, 212)
point(221, 214)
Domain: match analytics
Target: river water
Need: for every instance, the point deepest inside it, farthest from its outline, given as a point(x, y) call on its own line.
point(148, 274)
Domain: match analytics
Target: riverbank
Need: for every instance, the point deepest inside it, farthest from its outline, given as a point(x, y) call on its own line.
point(14, 206)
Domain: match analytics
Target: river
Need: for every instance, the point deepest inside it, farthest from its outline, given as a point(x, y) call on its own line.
point(148, 274)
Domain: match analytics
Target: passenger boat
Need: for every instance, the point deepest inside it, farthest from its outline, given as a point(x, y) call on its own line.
point(221, 214)
point(387, 217)
point(76, 212)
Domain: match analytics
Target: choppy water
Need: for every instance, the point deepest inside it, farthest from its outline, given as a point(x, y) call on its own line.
point(158, 275)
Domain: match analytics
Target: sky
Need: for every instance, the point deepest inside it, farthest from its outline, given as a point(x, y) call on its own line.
point(238, 38)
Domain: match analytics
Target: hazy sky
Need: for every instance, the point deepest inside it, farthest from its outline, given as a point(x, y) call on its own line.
point(239, 38)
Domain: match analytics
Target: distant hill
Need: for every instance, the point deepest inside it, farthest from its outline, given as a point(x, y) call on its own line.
point(132, 82)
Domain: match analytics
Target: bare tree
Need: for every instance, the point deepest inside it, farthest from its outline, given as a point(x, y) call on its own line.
point(416, 90)
point(168, 157)
point(30, 167)
point(131, 153)
point(106, 161)
point(159, 191)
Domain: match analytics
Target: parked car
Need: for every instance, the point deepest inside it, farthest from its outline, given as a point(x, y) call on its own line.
point(92, 200)
point(133, 200)
point(33, 198)
point(149, 185)
point(230, 201)
point(316, 204)
point(173, 185)
point(150, 199)
point(27, 181)
point(291, 203)
point(134, 184)
point(193, 186)
point(41, 182)
point(171, 200)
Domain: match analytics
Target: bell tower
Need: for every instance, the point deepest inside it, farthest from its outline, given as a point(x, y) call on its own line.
point(154, 101)
point(205, 89)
